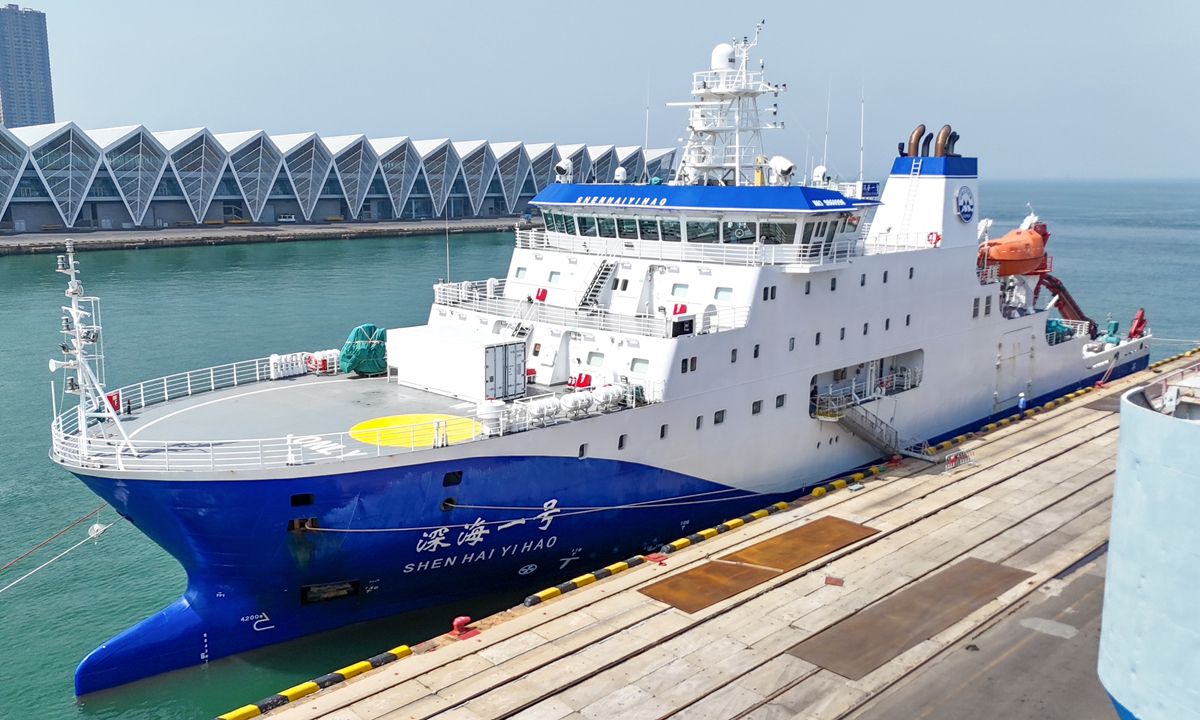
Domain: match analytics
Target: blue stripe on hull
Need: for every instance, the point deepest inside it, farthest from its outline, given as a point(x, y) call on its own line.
point(246, 571)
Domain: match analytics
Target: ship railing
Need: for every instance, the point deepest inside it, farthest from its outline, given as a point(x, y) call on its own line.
point(728, 81)
point(839, 397)
point(1074, 329)
point(193, 382)
point(814, 253)
point(106, 449)
point(453, 295)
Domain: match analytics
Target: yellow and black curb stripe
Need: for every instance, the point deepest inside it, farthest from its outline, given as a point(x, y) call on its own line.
point(841, 483)
point(296, 692)
point(699, 537)
point(576, 583)
point(1173, 358)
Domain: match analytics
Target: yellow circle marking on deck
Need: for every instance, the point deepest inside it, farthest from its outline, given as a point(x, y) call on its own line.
point(414, 430)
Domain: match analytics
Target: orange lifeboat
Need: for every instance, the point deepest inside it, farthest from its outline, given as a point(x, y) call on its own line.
point(1017, 252)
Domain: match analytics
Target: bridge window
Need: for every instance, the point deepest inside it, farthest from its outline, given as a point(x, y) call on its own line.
point(627, 228)
point(723, 293)
point(808, 233)
point(777, 233)
point(702, 231)
point(568, 224)
point(607, 227)
point(649, 229)
point(587, 225)
point(671, 232)
point(739, 232)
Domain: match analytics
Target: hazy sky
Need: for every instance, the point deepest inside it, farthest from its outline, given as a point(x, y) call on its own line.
point(1045, 89)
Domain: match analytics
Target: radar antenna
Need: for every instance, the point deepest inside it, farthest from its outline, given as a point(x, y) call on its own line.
point(724, 144)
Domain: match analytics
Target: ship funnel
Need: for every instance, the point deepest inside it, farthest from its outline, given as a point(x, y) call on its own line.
point(563, 170)
point(722, 57)
point(914, 141)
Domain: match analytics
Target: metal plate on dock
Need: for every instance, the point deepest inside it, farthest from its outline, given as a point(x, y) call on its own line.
point(802, 545)
point(1112, 403)
point(712, 582)
point(866, 640)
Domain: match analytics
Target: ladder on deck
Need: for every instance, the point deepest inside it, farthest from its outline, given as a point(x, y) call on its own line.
point(913, 176)
point(603, 273)
point(882, 436)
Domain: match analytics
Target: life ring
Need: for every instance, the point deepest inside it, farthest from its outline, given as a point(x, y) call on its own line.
point(311, 361)
point(933, 238)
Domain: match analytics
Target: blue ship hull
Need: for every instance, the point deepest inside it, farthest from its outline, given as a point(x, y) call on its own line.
point(255, 579)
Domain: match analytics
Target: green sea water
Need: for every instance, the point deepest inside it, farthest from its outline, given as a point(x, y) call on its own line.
point(1117, 246)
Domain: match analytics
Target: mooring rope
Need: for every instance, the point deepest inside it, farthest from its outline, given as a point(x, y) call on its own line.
point(93, 533)
point(43, 543)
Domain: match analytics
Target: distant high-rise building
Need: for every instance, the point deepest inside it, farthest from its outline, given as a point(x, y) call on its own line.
point(26, 97)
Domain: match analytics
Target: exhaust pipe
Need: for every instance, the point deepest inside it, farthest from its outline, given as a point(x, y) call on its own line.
point(943, 140)
point(914, 140)
point(950, 145)
point(925, 145)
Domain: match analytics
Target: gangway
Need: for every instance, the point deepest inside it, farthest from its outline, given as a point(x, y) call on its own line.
point(879, 434)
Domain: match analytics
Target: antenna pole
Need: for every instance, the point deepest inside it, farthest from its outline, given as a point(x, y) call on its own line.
point(828, 101)
point(646, 141)
point(446, 214)
point(862, 115)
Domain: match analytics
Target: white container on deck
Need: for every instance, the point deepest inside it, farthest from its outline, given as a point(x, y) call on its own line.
point(460, 363)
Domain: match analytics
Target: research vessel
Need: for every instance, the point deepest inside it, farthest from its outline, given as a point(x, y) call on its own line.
point(661, 357)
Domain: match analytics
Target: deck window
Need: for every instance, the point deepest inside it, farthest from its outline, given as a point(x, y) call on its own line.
point(649, 229)
point(627, 228)
point(987, 305)
point(587, 225)
point(671, 232)
point(679, 290)
point(702, 231)
point(607, 226)
point(520, 272)
point(554, 276)
point(723, 293)
point(739, 232)
point(777, 233)
point(975, 308)
point(639, 365)
point(595, 359)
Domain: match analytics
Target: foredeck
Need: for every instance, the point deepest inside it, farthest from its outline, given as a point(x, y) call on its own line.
point(234, 418)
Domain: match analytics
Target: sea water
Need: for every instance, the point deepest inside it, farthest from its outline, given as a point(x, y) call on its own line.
point(1118, 247)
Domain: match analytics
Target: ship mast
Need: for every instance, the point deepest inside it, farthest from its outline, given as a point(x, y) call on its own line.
point(724, 144)
point(83, 347)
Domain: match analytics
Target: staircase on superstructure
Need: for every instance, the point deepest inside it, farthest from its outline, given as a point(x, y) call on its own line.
point(592, 296)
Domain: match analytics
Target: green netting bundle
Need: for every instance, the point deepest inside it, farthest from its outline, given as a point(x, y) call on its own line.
point(365, 351)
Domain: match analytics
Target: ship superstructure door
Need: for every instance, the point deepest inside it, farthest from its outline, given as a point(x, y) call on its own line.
point(1013, 365)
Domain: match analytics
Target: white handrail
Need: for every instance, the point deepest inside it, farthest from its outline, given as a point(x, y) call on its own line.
point(325, 448)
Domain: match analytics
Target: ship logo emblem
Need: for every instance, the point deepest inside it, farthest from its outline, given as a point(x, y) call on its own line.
point(965, 203)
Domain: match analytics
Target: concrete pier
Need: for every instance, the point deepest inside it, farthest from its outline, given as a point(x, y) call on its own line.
point(27, 243)
point(836, 637)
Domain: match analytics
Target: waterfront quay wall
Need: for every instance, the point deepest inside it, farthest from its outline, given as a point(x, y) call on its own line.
point(28, 243)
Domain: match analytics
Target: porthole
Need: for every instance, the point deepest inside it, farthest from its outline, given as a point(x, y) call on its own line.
point(583, 451)
point(791, 344)
point(885, 276)
point(887, 324)
point(756, 407)
point(808, 287)
point(865, 328)
point(756, 351)
point(773, 292)
point(910, 273)
point(818, 342)
point(733, 355)
point(843, 335)
point(780, 400)
point(621, 442)
point(907, 320)
point(832, 284)
point(718, 417)
point(662, 432)
point(699, 421)
point(862, 281)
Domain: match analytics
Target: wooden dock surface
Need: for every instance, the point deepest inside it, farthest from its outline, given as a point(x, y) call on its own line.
point(1037, 500)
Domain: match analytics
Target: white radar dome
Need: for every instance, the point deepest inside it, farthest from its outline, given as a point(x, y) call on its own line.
point(620, 175)
point(722, 57)
point(821, 174)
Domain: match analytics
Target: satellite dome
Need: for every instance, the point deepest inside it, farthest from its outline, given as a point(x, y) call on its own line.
point(722, 57)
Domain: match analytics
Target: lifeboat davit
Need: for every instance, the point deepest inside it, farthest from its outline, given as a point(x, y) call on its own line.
point(1017, 252)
